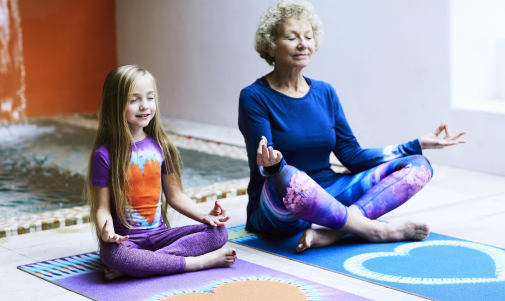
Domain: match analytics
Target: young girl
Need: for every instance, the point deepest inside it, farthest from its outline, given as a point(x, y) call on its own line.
point(132, 161)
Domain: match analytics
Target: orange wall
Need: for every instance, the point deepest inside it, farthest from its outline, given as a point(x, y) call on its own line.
point(69, 47)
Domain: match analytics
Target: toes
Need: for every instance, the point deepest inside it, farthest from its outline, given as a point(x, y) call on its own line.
point(301, 247)
point(228, 262)
point(422, 226)
point(420, 235)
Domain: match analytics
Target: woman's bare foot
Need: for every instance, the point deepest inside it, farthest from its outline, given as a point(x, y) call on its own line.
point(317, 238)
point(408, 230)
point(112, 274)
point(322, 237)
point(217, 258)
point(397, 231)
point(376, 231)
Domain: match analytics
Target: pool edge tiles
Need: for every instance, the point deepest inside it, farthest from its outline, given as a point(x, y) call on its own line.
point(60, 218)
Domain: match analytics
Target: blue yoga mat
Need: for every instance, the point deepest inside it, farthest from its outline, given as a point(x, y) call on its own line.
point(439, 267)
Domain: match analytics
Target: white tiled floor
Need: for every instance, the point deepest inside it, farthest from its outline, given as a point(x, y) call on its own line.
point(457, 202)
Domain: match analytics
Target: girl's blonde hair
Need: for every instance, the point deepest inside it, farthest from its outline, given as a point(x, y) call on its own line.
point(114, 132)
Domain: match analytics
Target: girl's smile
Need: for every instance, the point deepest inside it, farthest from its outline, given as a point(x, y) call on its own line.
point(143, 116)
point(142, 107)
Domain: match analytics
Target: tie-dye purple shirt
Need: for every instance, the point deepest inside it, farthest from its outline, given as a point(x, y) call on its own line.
point(146, 166)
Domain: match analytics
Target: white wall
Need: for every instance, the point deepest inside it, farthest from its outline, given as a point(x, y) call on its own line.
point(388, 61)
point(476, 28)
point(200, 52)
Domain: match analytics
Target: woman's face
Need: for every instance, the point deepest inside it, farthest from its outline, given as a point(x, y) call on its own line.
point(295, 43)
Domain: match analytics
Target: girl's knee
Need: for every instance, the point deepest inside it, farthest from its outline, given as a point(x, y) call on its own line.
point(107, 254)
point(223, 234)
point(219, 234)
point(112, 254)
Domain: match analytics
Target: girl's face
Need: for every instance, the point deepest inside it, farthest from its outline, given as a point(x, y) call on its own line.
point(295, 43)
point(142, 105)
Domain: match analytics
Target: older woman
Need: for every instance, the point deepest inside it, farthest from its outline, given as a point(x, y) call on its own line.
point(304, 119)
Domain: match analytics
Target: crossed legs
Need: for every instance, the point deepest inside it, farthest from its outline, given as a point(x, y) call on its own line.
point(369, 195)
point(167, 251)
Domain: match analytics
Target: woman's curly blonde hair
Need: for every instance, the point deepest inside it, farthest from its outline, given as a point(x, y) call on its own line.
point(273, 17)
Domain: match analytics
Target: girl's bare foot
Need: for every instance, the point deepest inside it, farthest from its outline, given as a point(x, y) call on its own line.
point(217, 258)
point(317, 238)
point(112, 274)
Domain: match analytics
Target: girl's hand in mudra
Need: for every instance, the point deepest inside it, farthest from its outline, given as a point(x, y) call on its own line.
point(217, 216)
point(267, 156)
point(108, 234)
point(431, 140)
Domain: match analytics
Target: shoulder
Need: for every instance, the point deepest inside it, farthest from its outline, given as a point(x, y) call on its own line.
point(102, 152)
point(155, 147)
point(150, 145)
point(152, 141)
point(253, 95)
point(252, 90)
point(321, 86)
point(101, 158)
point(325, 90)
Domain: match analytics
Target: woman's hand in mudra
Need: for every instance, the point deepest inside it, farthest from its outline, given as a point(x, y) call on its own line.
point(431, 140)
point(267, 156)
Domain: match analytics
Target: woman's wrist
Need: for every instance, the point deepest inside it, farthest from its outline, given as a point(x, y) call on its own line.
point(272, 169)
point(421, 144)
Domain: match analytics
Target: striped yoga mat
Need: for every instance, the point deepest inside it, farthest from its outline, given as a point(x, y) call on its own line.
point(83, 274)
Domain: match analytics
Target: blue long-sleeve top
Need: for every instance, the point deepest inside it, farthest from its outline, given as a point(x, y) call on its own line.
point(305, 130)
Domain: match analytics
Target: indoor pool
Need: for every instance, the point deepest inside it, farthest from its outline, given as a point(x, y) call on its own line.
point(43, 165)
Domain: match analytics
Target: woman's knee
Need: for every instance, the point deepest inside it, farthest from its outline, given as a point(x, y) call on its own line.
point(423, 163)
point(417, 171)
point(415, 161)
point(282, 180)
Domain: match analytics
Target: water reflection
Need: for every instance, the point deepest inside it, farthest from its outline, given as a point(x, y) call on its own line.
point(43, 165)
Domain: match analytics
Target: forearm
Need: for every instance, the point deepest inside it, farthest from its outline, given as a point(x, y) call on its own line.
point(102, 214)
point(183, 204)
point(357, 159)
point(102, 195)
point(180, 201)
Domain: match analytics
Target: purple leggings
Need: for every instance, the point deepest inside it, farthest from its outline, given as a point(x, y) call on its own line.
point(161, 250)
point(291, 201)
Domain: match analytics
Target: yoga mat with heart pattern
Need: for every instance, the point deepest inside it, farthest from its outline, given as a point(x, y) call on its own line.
point(439, 267)
point(244, 281)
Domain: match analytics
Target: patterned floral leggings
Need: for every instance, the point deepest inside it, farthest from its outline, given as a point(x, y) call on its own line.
point(292, 201)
